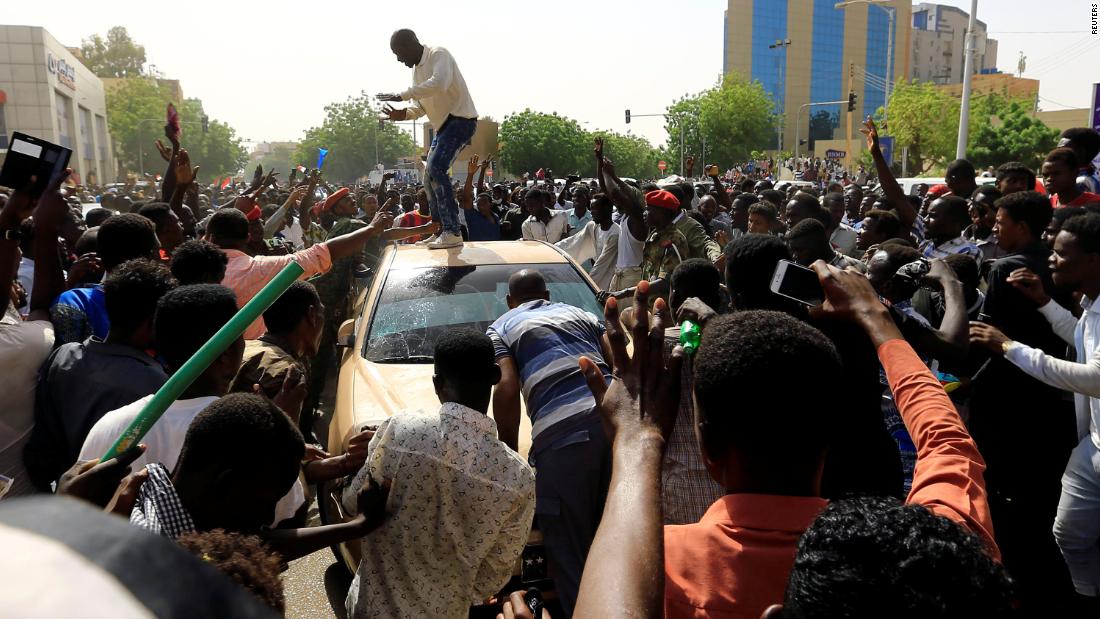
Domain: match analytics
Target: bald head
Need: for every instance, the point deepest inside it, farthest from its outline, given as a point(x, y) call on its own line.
point(403, 37)
point(526, 285)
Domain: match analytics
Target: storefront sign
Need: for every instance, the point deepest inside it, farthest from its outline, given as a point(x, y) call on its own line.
point(66, 73)
point(835, 154)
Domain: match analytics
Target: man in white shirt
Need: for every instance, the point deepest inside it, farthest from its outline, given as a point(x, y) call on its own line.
point(1075, 264)
point(598, 240)
point(543, 223)
point(461, 503)
point(439, 92)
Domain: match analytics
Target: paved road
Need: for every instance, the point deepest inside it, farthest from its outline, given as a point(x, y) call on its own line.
point(315, 585)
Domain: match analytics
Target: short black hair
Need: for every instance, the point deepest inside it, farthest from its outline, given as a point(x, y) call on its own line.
point(750, 263)
point(1063, 155)
point(97, 216)
point(199, 261)
point(810, 230)
point(765, 208)
point(956, 208)
point(747, 199)
point(124, 237)
point(1030, 208)
point(157, 212)
point(898, 255)
point(990, 191)
point(244, 432)
point(291, 307)
point(888, 223)
point(774, 196)
point(1061, 215)
point(966, 269)
point(833, 196)
point(1084, 141)
point(1015, 168)
point(697, 277)
point(228, 225)
point(188, 316)
point(960, 168)
point(465, 357)
point(677, 191)
point(875, 556)
point(88, 242)
point(1086, 231)
point(132, 291)
point(743, 390)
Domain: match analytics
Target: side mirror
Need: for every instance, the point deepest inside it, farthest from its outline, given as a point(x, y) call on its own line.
point(345, 336)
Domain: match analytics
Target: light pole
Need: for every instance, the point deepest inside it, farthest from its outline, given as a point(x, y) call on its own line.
point(679, 118)
point(780, 95)
point(968, 68)
point(891, 12)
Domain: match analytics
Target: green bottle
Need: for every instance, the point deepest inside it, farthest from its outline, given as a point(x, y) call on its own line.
point(690, 336)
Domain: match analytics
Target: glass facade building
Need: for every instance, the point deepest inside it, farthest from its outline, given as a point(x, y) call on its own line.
point(769, 24)
point(878, 30)
point(826, 67)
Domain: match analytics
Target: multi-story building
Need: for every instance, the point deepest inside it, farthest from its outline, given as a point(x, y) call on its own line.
point(831, 50)
point(939, 41)
point(46, 92)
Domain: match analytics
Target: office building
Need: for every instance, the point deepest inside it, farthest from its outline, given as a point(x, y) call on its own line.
point(830, 48)
point(939, 42)
point(46, 92)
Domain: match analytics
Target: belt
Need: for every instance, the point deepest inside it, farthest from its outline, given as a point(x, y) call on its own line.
point(449, 118)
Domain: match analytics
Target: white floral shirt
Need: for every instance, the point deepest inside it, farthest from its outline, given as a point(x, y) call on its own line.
point(461, 505)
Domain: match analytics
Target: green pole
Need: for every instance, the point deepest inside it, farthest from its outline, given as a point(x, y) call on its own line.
point(197, 364)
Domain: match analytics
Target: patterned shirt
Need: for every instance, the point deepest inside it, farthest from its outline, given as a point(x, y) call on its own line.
point(552, 231)
point(245, 275)
point(545, 339)
point(80, 313)
point(315, 235)
point(958, 245)
point(664, 250)
point(461, 505)
point(158, 508)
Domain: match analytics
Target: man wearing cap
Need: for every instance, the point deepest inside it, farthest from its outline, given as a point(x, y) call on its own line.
point(440, 93)
point(664, 249)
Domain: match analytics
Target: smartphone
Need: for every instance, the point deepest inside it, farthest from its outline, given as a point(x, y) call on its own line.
point(30, 156)
point(798, 283)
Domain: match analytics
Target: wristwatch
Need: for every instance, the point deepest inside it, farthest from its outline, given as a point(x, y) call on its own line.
point(11, 234)
point(1005, 345)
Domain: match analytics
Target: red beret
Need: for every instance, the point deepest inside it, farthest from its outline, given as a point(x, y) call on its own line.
point(662, 199)
point(254, 214)
point(938, 190)
point(331, 200)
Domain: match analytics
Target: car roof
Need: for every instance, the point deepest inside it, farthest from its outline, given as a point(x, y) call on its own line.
point(476, 253)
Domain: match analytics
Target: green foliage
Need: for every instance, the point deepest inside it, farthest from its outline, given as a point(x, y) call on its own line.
point(734, 117)
point(117, 56)
point(351, 134)
point(532, 140)
point(135, 116)
point(280, 159)
point(925, 119)
point(633, 156)
point(1003, 130)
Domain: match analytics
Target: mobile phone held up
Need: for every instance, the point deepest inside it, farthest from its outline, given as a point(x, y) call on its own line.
point(30, 156)
point(798, 283)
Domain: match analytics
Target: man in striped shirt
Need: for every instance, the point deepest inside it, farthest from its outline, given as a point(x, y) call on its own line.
point(537, 345)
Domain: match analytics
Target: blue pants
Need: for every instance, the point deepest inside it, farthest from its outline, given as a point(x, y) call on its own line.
point(452, 137)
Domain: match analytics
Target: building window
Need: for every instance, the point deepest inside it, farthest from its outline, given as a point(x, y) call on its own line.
point(86, 133)
point(769, 24)
point(826, 71)
point(64, 122)
point(101, 136)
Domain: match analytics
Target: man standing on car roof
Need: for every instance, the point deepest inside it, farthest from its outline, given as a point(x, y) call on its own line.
point(537, 345)
point(440, 92)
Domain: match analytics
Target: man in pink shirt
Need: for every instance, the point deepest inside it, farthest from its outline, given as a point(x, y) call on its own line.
point(246, 275)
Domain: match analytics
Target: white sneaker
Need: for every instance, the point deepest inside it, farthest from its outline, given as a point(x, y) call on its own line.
point(426, 240)
point(446, 240)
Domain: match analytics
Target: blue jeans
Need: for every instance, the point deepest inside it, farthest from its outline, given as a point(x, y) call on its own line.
point(455, 134)
point(1077, 526)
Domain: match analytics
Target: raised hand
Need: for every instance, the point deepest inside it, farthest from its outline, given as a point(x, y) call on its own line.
point(871, 132)
point(185, 174)
point(165, 154)
point(472, 165)
point(598, 149)
point(644, 393)
point(387, 96)
point(292, 393)
point(392, 113)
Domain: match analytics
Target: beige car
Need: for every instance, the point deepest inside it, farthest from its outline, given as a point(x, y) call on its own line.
point(415, 296)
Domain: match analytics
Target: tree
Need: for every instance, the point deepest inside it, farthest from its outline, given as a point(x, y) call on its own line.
point(135, 116)
point(733, 117)
point(280, 158)
point(353, 138)
point(633, 156)
point(822, 123)
point(117, 56)
point(1003, 130)
point(925, 119)
point(532, 140)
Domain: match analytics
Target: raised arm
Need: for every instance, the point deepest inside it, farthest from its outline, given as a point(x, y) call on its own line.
point(890, 187)
point(381, 195)
point(183, 176)
point(48, 215)
point(466, 201)
point(275, 221)
point(348, 244)
point(168, 184)
point(952, 340)
point(723, 195)
point(305, 207)
point(481, 174)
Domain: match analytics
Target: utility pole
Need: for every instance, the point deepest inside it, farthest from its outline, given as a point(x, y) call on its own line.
point(848, 153)
point(968, 68)
point(780, 95)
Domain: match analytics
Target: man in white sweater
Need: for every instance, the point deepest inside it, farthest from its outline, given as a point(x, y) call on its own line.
point(598, 241)
point(1075, 264)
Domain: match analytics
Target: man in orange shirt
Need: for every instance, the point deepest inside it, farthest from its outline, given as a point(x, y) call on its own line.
point(1060, 180)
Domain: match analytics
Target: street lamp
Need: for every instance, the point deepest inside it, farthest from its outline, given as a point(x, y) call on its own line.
point(891, 12)
point(779, 95)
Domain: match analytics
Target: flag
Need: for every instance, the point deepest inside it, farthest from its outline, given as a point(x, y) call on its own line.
point(321, 152)
point(301, 169)
point(225, 182)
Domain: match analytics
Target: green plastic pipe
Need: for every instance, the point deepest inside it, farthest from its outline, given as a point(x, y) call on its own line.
point(197, 364)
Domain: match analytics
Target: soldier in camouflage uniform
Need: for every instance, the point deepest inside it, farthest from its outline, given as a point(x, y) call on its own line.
point(664, 249)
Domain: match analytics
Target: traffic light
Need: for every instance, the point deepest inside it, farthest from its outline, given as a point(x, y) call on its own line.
point(851, 101)
point(802, 142)
point(628, 117)
point(205, 123)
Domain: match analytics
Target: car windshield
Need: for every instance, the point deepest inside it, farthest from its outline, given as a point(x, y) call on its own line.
point(418, 305)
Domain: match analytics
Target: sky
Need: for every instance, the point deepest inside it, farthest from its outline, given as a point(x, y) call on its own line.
point(268, 69)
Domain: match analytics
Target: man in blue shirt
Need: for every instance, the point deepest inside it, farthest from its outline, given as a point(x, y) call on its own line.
point(538, 344)
point(80, 313)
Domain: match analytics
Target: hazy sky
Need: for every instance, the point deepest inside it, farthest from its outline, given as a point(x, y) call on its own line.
point(269, 68)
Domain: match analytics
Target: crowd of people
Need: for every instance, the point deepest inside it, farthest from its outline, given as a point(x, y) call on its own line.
point(922, 443)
